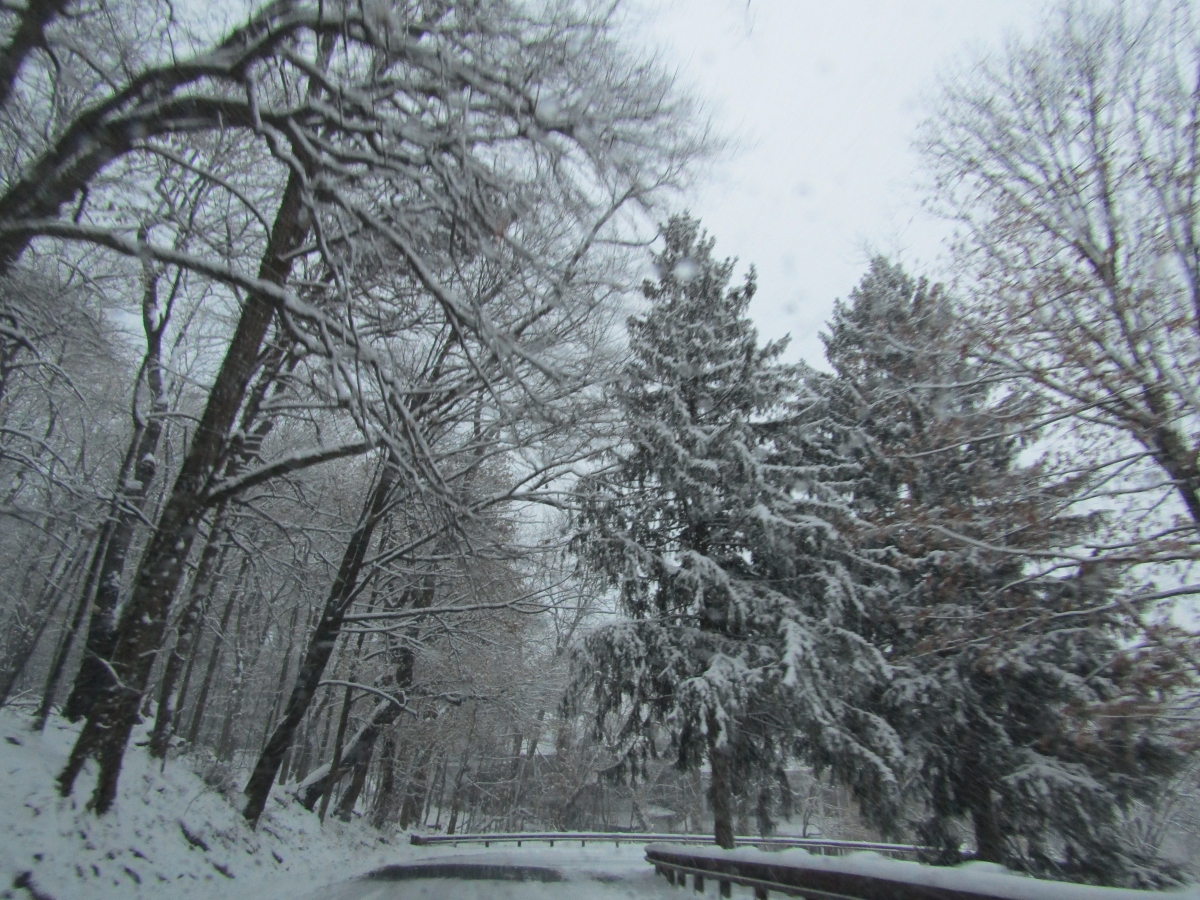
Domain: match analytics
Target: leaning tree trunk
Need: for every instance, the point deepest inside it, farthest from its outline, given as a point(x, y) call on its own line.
point(143, 621)
point(210, 559)
point(320, 645)
point(357, 749)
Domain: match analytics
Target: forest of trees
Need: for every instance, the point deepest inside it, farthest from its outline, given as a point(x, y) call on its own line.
point(347, 453)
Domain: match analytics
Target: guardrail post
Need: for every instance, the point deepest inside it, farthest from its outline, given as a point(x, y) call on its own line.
point(671, 877)
point(760, 893)
point(698, 883)
point(726, 890)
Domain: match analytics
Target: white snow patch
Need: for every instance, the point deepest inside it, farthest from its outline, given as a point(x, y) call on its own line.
point(139, 849)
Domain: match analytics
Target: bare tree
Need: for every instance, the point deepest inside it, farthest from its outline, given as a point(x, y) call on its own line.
point(1072, 164)
point(420, 140)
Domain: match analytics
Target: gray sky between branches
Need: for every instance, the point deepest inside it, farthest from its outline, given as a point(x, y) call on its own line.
point(824, 98)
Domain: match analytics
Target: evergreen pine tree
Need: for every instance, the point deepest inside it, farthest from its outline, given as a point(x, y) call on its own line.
point(741, 601)
point(1019, 710)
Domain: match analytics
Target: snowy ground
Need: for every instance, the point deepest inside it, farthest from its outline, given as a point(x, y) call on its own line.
point(142, 847)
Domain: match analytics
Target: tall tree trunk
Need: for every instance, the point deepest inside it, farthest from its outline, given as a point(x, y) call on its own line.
point(989, 838)
point(182, 698)
point(414, 794)
point(419, 596)
point(95, 675)
point(214, 654)
point(455, 804)
point(335, 764)
point(720, 789)
point(385, 797)
point(282, 686)
point(312, 739)
point(436, 787)
point(526, 760)
point(215, 549)
point(233, 710)
point(203, 587)
point(320, 645)
point(106, 732)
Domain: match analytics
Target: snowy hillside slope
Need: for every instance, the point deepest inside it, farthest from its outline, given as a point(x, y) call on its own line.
point(170, 833)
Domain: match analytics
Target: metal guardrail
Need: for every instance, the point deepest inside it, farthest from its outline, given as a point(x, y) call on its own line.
point(826, 847)
point(836, 880)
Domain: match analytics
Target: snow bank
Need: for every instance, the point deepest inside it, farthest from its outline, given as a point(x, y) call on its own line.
point(169, 833)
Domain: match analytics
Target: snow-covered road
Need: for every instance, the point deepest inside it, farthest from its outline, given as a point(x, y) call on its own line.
point(580, 873)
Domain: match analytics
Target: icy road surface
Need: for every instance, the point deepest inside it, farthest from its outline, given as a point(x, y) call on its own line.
point(595, 872)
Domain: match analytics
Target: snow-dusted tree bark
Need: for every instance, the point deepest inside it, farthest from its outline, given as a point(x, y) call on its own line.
point(740, 595)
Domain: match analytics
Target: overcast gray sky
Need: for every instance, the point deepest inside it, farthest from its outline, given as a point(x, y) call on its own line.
point(825, 96)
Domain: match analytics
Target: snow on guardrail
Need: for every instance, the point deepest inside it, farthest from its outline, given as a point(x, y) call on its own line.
point(825, 847)
point(866, 876)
